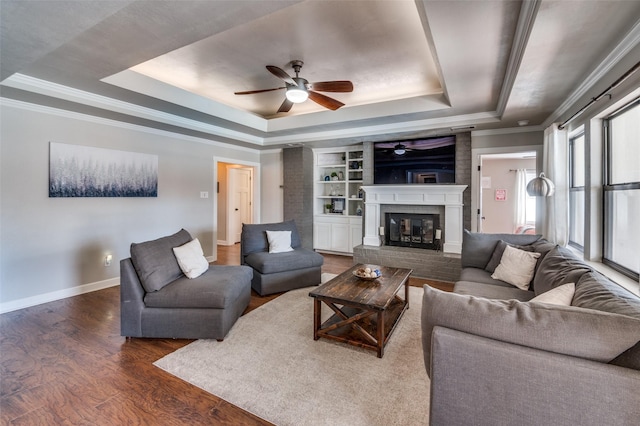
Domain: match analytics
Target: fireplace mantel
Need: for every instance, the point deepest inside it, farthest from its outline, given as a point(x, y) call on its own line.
point(449, 196)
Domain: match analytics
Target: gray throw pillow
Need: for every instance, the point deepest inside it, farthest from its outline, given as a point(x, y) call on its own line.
point(477, 248)
point(595, 291)
point(558, 267)
point(499, 251)
point(154, 261)
point(568, 330)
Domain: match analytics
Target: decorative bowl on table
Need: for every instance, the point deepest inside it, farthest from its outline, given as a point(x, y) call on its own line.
point(367, 273)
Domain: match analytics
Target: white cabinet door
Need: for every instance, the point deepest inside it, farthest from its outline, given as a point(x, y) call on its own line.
point(340, 237)
point(322, 236)
point(356, 236)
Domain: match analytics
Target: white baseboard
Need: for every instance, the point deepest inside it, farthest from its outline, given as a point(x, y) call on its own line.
point(57, 295)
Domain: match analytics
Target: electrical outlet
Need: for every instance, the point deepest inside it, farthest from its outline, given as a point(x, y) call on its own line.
point(107, 260)
point(204, 194)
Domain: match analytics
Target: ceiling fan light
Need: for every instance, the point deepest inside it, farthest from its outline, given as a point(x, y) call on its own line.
point(297, 95)
point(399, 149)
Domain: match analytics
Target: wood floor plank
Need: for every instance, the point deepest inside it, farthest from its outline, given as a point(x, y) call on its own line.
point(65, 363)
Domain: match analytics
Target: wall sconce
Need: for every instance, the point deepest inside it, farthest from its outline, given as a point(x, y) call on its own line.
point(541, 187)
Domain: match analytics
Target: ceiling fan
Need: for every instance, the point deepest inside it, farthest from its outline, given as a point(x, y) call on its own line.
point(299, 89)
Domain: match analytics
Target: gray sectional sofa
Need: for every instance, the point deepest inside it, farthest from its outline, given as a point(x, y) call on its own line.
point(497, 358)
point(158, 300)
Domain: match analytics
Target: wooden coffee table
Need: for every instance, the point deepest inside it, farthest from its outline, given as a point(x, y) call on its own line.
point(366, 312)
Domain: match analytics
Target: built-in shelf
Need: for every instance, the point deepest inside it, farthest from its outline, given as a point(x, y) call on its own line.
point(338, 199)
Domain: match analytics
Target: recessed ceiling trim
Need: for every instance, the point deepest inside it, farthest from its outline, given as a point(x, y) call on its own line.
point(377, 130)
point(30, 84)
point(140, 83)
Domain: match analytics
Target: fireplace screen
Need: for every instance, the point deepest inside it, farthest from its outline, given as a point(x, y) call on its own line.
point(411, 230)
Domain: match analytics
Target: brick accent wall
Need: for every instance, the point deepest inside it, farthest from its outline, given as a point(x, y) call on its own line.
point(298, 191)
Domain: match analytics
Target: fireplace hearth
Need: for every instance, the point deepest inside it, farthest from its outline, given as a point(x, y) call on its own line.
point(412, 230)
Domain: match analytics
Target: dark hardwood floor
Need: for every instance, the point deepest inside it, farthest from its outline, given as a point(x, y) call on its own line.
point(65, 363)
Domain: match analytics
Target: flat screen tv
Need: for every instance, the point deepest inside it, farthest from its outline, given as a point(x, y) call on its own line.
point(416, 161)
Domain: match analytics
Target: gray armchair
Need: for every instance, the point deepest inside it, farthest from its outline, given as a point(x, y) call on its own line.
point(278, 272)
point(158, 300)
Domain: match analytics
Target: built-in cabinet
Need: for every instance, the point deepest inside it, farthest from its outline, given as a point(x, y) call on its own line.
point(338, 199)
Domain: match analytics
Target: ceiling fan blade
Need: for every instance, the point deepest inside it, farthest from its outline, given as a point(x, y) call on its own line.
point(333, 86)
point(286, 105)
point(281, 74)
point(325, 101)
point(251, 92)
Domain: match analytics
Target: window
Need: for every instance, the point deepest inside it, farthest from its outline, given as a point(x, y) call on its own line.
point(576, 191)
point(622, 190)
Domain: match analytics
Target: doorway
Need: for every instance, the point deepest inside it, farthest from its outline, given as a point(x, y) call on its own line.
point(505, 207)
point(499, 190)
point(237, 199)
point(239, 206)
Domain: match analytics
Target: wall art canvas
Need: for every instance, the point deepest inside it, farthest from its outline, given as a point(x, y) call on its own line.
point(84, 171)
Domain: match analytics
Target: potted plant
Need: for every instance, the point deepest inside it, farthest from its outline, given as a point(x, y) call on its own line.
point(327, 208)
point(334, 176)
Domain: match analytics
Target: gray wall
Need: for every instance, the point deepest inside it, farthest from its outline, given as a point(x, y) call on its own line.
point(298, 191)
point(50, 246)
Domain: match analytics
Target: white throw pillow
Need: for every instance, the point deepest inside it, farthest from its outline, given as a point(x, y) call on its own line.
point(191, 259)
point(516, 267)
point(279, 241)
point(561, 295)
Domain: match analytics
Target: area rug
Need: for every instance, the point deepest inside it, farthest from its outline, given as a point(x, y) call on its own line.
point(270, 365)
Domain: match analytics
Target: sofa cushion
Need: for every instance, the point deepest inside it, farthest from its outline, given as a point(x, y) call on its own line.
point(516, 267)
point(480, 276)
point(558, 267)
point(477, 248)
point(154, 261)
point(489, 291)
point(270, 263)
point(595, 291)
point(253, 238)
point(585, 333)
point(217, 288)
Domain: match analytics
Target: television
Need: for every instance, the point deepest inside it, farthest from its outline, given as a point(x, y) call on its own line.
point(415, 161)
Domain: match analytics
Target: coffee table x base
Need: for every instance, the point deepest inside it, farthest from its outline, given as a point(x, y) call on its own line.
point(365, 312)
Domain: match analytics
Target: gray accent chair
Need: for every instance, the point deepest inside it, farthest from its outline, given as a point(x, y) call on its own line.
point(278, 272)
point(158, 301)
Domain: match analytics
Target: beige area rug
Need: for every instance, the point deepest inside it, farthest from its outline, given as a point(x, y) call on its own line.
point(270, 365)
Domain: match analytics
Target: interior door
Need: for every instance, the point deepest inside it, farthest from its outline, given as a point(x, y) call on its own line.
point(240, 200)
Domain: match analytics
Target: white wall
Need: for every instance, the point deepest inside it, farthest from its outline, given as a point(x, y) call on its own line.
point(51, 246)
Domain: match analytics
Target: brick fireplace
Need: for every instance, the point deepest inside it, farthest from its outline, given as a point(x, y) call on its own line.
point(379, 197)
